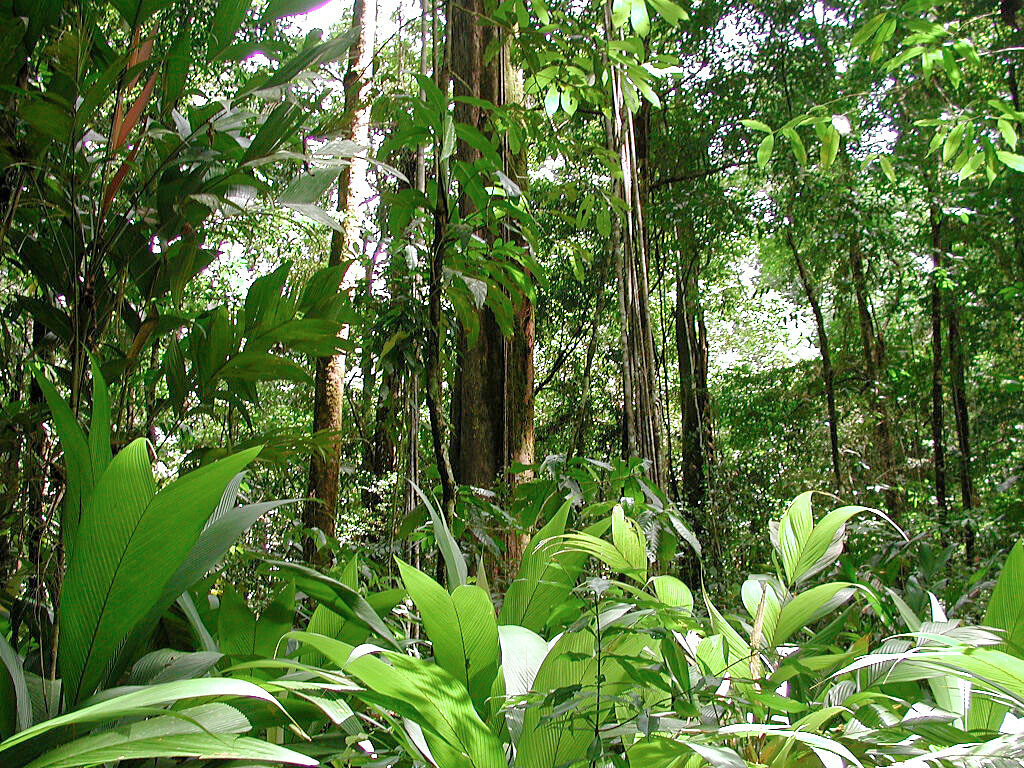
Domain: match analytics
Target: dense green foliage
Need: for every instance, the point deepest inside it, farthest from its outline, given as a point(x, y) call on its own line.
point(474, 392)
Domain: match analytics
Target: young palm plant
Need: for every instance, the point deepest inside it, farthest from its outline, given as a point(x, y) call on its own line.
point(132, 550)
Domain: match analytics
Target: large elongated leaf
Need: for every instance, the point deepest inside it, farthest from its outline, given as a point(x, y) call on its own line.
point(438, 703)
point(1006, 612)
point(78, 464)
point(809, 606)
point(522, 653)
point(168, 737)
point(454, 560)
point(553, 738)
point(658, 750)
point(462, 628)
point(340, 598)
point(546, 575)
point(141, 701)
point(424, 693)
point(16, 697)
point(130, 542)
point(223, 529)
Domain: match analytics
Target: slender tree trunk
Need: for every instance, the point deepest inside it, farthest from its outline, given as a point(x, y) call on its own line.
point(583, 408)
point(827, 372)
point(434, 397)
point(329, 381)
point(689, 353)
point(963, 432)
point(938, 446)
point(435, 282)
point(872, 345)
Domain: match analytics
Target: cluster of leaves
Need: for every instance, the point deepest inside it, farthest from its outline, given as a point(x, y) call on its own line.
point(590, 658)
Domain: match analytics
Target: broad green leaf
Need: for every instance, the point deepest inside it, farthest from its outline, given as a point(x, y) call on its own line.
point(808, 607)
point(522, 653)
point(639, 18)
point(790, 536)
point(865, 32)
point(1008, 132)
point(278, 124)
point(340, 598)
point(739, 651)
point(545, 577)
point(887, 168)
point(227, 18)
point(130, 543)
point(462, 629)
point(16, 691)
point(629, 539)
point(672, 592)
point(99, 424)
point(829, 146)
point(1006, 612)
point(620, 12)
point(278, 9)
point(454, 560)
point(1016, 162)
point(797, 144)
point(552, 99)
point(764, 150)
point(554, 738)
point(78, 463)
point(757, 125)
point(426, 694)
point(952, 143)
point(141, 701)
point(209, 731)
point(663, 751)
point(669, 11)
point(236, 624)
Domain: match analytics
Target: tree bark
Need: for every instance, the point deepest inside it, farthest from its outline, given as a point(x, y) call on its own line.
point(827, 372)
point(958, 391)
point(938, 446)
point(692, 360)
point(320, 510)
point(583, 409)
point(872, 346)
point(478, 405)
point(641, 435)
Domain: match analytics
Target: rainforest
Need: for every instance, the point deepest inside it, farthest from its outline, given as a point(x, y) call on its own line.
point(511, 383)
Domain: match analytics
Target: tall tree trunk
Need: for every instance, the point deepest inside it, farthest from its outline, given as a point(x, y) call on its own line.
point(692, 361)
point(827, 372)
point(329, 381)
point(938, 446)
point(641, 432)
point(958, 391)
point(520, 371)
point(872, 345)
point(478, 399)
point(583, 408)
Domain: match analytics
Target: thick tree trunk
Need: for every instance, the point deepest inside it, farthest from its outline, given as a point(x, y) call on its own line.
point(938, 445)
point(478, 404)
point(329, 381)
point(871, 343)
point(827, 372)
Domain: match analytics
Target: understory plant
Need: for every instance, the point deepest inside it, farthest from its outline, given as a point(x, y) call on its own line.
point(593, 655)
